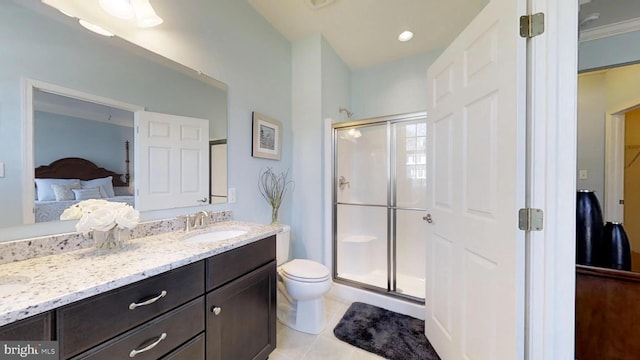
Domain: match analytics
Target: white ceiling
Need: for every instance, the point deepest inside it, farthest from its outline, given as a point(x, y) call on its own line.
point(365, 32)
point(362, 32)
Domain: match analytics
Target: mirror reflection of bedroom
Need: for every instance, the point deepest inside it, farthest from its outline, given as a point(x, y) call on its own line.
point(82, 150)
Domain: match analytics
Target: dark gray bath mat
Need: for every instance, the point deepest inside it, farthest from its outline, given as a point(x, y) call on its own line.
point(386, 333)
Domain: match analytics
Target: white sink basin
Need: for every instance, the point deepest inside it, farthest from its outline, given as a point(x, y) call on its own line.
point(216, 235)
point(12, 284)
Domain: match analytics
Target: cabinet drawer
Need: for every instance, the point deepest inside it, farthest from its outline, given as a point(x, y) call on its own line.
point(232, 264)
point(39, 327)
point(193, 350)
point(166, 332)
point(90, 322)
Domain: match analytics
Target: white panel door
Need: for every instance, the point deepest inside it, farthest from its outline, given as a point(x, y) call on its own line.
point(172, 165)
point(476, 161)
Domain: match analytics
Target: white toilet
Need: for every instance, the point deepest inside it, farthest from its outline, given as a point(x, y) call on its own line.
point(301, 287)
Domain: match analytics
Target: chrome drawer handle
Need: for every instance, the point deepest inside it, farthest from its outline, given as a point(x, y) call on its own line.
point(135, 352)
point(132, 306)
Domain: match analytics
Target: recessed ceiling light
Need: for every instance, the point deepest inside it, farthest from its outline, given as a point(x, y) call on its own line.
point(95, 28)
point(405, 36)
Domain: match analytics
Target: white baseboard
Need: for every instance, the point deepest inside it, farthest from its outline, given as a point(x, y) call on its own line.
point(351, 294)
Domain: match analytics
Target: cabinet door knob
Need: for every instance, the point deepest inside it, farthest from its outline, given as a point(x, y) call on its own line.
point(203, 200)
point(216, 310)
point(428, 218)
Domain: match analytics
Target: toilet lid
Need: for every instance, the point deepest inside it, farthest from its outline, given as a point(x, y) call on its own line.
point(302, 269)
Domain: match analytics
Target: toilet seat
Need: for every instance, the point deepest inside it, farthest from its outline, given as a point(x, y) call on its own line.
point(305, 271)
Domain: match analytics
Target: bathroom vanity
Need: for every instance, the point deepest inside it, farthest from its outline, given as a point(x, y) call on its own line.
point(218, 301)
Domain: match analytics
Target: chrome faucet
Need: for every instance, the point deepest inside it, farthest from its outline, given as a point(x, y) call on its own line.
point(201, 219)
point(187, 222)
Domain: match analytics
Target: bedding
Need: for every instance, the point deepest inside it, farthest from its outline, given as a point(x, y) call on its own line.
point(67, 181)
point(51, 210)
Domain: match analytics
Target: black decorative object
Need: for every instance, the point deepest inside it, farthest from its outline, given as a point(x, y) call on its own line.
point(589, 229)
point(617, 249)
point(386, 333)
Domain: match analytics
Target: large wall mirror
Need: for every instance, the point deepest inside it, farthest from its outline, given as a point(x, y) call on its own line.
point(84, 89)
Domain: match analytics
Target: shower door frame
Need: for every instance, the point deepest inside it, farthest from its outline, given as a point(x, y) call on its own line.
point(391, 207)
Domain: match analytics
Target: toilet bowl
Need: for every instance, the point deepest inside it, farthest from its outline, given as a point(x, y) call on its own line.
point(302, 285)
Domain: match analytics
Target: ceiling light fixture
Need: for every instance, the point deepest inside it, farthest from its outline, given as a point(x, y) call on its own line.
point(141, 10)
point(66, 13)
point(95, 28)
point(121, 9)
point(145, 15)
point(405, 36)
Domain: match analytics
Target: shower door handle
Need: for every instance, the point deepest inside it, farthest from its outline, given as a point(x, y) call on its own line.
point(428, 218)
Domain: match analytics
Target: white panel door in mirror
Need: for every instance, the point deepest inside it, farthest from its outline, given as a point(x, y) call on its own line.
point(173, 160)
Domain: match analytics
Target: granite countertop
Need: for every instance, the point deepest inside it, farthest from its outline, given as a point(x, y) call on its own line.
point(56, 280)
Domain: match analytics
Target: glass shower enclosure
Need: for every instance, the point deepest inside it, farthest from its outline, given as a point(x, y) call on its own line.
point(379, 202)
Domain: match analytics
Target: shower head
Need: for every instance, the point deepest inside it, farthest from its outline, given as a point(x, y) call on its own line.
point(349, 113)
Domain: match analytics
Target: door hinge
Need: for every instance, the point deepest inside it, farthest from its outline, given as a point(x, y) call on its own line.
point(531, 25)
point(530, 219)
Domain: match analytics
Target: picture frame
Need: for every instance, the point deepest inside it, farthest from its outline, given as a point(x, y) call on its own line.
point(267, 137)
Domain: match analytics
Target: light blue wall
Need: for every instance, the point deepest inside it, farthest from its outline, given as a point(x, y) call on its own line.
point(58, 136)
point(392, 88)
point(321, 85)
point(613, 50)
point(307, 127)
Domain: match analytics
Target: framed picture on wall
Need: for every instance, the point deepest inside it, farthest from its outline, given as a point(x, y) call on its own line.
point(267, 137)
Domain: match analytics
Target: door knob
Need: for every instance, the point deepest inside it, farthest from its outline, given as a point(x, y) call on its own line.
point(428, 218)
point(216, 310)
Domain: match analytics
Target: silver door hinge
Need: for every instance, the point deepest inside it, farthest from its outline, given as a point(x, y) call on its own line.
point(530, 219)
point(531, 25)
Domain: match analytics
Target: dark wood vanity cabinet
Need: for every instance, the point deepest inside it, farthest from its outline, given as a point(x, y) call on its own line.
point(87, 323)
point(241, 322)
point(223, 307)
point(39, 327)
point(241, 308)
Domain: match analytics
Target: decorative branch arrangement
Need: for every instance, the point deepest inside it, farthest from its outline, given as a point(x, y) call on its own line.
point(273, 188)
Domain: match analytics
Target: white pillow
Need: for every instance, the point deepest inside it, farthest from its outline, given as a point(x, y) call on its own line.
point(45, 191)
point(63, 192)
point(106, 184)
point(87, 193)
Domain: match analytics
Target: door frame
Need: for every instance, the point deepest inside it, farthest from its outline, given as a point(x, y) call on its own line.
point(614, 160)
point(551, 159)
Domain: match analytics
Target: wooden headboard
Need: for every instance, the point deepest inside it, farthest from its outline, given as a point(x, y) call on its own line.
point(78, 168)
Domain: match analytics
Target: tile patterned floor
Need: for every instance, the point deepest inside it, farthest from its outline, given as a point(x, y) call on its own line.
point(294, 345)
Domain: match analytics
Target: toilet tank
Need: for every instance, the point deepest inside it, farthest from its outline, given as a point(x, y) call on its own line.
point(283, 239)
